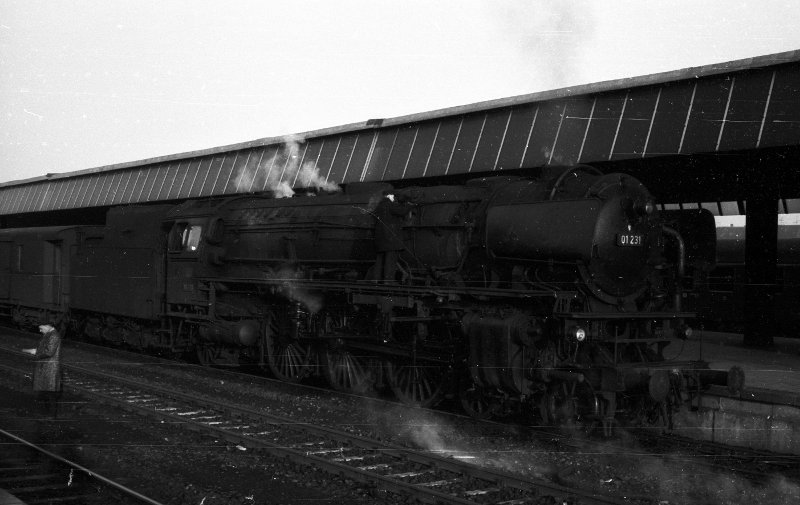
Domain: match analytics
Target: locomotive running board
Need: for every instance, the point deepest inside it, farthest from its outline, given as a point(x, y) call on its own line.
point(626, 315)
point(376, 289)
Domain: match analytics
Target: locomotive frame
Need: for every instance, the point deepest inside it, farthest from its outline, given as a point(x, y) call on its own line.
point(555, 295)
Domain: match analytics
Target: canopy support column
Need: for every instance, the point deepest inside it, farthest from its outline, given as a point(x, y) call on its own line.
point(760, 255)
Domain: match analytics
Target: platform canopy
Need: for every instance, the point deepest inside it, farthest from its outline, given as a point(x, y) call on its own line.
point(740, 105)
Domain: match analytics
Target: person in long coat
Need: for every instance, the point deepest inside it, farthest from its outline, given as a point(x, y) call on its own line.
point(389, 218)
point(47, 370)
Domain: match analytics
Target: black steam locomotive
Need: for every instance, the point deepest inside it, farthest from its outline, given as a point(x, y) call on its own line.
point(556, 295)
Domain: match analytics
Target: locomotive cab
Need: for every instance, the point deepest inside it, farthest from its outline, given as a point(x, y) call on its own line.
point(186, 248)
point(183, 285)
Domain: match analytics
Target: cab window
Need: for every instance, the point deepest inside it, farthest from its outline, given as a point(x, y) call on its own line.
point(191, 238)
point(186, 237)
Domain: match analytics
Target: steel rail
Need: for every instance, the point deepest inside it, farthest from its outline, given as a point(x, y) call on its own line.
point(91, 473)
point(715, 450)
point(305, 457)
point(733, 455)
point(519, 484)
point(138, 403)
point(739, 460)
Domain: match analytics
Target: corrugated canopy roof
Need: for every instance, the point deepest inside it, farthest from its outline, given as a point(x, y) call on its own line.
point(740, 105)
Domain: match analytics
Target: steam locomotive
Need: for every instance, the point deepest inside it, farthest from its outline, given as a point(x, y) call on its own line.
point(555, 295)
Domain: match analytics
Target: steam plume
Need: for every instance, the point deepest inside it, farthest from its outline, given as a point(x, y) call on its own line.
point(282, 172)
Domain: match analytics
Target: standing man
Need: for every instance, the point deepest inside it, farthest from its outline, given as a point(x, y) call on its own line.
point(389, 218)
point(47, 371)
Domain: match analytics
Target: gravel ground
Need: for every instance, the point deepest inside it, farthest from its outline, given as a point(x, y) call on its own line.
point(616, 467)
point(170, 465)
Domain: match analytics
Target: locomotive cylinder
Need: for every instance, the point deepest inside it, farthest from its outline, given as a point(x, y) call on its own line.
point(499, 348)
point(243, 333)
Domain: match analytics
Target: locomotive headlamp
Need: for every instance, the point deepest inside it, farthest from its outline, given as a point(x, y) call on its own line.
point(645, 208)
point(683, 331)
point(579, 333)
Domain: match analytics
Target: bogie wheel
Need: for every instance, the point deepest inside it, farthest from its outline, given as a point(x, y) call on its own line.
point(421, 384)
point(476, 401)
point(288, 358)
point(557, 406)
point(655, 415)
point(347, 370)
point(207, 354)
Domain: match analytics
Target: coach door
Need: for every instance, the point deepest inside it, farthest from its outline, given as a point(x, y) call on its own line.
point(5, 269)
point(51, 286)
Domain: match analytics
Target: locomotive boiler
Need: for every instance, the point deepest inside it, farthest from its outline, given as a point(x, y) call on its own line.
point(555, 295)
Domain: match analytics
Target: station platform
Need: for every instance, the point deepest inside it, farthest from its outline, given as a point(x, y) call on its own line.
point(766, 414)
point(7, 498)
point(774, 371)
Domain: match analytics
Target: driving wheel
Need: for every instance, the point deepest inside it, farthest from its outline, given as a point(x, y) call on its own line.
point(347, 370)
point(420, 384)
point(288, 358)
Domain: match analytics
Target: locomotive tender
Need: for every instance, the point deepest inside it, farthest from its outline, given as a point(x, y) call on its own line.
point(559, 295)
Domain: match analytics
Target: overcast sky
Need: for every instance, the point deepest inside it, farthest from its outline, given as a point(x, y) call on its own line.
point(96, 82)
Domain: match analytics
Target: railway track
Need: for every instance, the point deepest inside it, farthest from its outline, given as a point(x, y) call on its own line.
point(32, 475)
point(426, 477)
point(757, 465)
point(429, 478)
point(387, 461)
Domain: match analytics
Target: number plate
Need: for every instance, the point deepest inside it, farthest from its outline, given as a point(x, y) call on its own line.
point(630, 240)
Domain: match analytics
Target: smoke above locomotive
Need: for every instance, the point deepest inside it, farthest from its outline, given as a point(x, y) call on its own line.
point(284, 165)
